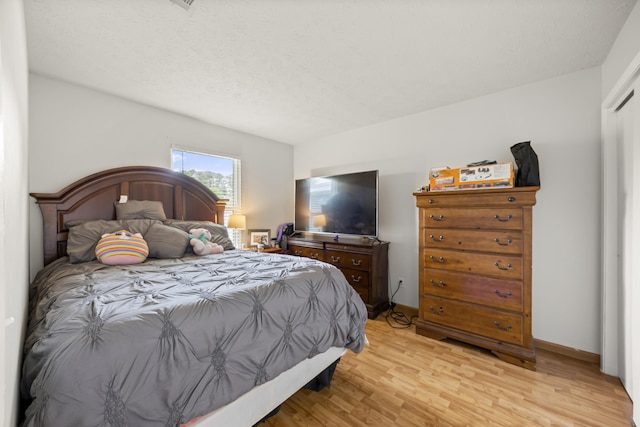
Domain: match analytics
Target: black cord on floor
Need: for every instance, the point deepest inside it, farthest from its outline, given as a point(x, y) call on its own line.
point(400, 318)
point(397, 316)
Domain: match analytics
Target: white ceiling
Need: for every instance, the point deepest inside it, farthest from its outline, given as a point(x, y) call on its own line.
point(297, 70)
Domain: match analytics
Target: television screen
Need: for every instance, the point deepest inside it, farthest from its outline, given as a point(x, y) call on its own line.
point(338, 204)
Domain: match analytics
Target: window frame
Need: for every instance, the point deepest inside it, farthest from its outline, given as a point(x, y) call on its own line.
point(234, 203)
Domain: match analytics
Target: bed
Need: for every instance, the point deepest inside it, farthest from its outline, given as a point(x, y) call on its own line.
point(220, 339)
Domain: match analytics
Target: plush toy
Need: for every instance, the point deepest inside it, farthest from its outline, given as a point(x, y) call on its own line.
point(201, 243)
point(122, 248)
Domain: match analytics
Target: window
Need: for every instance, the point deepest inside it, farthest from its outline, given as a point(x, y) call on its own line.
point(220, 174)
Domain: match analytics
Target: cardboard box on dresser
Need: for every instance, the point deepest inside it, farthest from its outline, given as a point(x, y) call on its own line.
point(498, 175)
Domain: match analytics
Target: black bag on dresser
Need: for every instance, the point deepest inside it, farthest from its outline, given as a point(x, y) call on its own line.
point(528, 173)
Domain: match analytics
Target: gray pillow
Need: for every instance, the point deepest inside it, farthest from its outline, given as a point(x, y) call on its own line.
point(140, 209)
point(166, 242)
point(84, 235)
point(218, 232)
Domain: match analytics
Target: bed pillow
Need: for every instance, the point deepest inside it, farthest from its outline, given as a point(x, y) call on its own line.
point(140, 209)
point(122, 248)
point(166, 242)
point(84, 235)
point(218, 232)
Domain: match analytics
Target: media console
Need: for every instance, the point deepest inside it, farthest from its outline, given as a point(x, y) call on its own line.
point(364, 264)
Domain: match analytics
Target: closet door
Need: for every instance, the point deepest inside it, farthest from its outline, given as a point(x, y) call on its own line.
point(627, 197)
point(621, 235)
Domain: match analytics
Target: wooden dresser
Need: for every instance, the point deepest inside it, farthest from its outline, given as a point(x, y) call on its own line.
point(475, 269)
point(365, 265)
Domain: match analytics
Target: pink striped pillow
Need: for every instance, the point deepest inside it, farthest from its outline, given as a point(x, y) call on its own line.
point(122, 248)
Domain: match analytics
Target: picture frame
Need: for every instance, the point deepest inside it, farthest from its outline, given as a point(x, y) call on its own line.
point(257, 237)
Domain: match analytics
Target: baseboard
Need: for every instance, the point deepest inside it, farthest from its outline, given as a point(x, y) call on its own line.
point(573, 353)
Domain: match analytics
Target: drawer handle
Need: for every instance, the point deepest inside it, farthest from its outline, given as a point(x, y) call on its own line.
point(315, 256)
point(507, 243)
point(508, 267)
point(439, 284)
point(431, 201)
point(335, 259)
point(503, 219)
point(298, 253)
point(438, 239)
point(511, 199)
point(438, 312)
point(438, 218)
point(507, 295)
point(356, 261)
point(500, 327)
point(356, 279)
point(434, 259)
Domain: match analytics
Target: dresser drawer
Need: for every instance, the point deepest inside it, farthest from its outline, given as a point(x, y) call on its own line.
point(313, 253)
point(345, 259)
point(363, 292)
point(499, 293)
point(522, 196)
point(485, 218)
point(496, 265)
point(506, 242)
point(356, 278)
point(496, 324)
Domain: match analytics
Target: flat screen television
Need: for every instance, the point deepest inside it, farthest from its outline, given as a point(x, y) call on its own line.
point(339, 204)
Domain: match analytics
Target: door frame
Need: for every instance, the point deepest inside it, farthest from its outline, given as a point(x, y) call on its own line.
point(610, 352)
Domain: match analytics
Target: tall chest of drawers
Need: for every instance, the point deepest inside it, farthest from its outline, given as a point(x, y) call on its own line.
point(475, 269)
point(364, 265)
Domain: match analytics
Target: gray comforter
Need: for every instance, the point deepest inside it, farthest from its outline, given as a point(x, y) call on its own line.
point(159, 343)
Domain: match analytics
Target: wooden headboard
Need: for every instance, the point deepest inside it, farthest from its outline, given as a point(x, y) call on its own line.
point(94, 197)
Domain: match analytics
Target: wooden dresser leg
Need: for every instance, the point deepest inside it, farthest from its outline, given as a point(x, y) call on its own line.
point(429, 333)
point(528, 364)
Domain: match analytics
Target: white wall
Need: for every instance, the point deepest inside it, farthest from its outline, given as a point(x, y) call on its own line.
point(561, 117)
point(75, 131)
point(13, 208)
point(624, 50)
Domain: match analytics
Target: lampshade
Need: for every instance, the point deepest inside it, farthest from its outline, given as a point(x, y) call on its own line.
point(238, 221)
point(319, 220)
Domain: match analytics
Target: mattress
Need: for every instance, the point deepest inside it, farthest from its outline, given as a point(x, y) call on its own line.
point(253, 406)
point(169, 340)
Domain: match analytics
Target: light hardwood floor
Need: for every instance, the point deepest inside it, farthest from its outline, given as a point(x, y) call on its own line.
point(403, 379)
